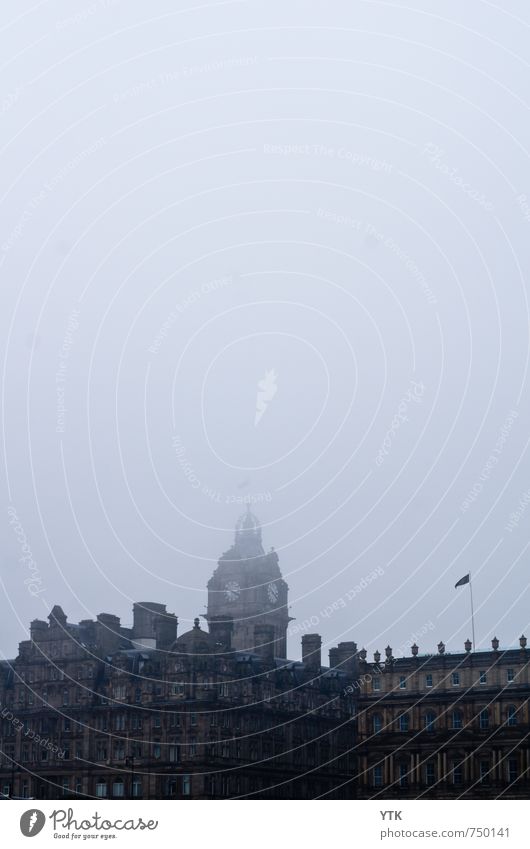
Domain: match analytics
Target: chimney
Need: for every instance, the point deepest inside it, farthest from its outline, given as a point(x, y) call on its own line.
point(221, 628)
point(264, 642)
point(311, 651)
point(37, 630)
point(145, 617)
point(165, 630)
point(333, 658)
point(347, 657)
point(108, 637)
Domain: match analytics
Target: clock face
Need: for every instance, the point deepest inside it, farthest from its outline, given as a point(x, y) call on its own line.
point(232, 591)
point(273, 592)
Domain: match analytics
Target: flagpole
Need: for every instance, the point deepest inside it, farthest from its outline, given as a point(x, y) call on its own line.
point(472, 612)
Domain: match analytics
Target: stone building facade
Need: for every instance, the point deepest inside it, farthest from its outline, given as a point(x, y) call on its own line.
point(444, 725)
point(96, 709)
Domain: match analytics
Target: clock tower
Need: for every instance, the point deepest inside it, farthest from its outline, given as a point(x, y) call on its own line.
point(248, 588)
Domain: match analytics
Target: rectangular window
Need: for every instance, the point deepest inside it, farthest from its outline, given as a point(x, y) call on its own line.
point(455, 679)
point(404, 722)
point(157, 722)
point(156, 750)
point(513, 770)
point(378, 776)
point(457, 773)
point(118, 788)
point(484, 719)
point(194, 719)
point(484, 772)
point(428, 680)
point(483, 677)
point(376, 684)
point(173, 753)
point(402, 682)
point(403, 775)
point(186, 785)
point(429, 773)
point(510, 675)
point(457, 721)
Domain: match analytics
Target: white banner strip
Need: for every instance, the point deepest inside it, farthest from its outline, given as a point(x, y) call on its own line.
point(264, 824)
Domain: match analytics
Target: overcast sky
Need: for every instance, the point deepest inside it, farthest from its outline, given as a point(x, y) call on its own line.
point(276, 251)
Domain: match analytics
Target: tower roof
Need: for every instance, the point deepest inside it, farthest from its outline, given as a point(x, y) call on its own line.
point(248, 535)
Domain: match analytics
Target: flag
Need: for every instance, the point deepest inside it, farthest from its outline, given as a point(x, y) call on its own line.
point(462, 581)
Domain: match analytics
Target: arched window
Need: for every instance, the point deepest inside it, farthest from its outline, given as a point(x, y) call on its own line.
point(512, 715)
point(430, 720)
point(377, 723)
point(484, 719)
point(457, 720)
point(404, 722)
